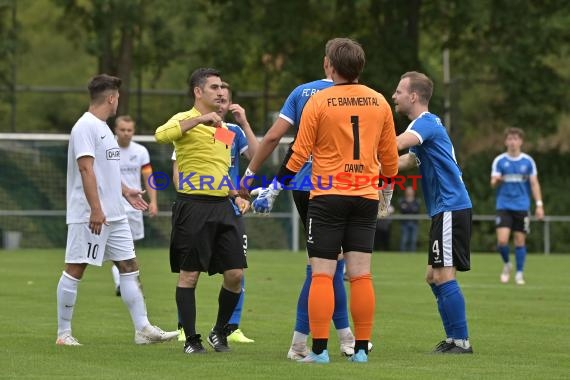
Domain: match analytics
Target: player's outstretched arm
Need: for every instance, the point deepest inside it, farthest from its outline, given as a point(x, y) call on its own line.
point(134, 197)
point(407, 140)
point(265, 148)
point(269, 143)
point(300, 152)
point(407, 161)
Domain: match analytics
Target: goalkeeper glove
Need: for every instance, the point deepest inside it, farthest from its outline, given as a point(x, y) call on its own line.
point(265, 197)
point(385, 197)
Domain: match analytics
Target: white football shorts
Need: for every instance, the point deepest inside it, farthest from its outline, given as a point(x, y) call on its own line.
point(114, 243)
point(136, 223)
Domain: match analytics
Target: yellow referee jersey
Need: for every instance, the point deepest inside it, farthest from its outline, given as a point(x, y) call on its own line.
point(203, 161)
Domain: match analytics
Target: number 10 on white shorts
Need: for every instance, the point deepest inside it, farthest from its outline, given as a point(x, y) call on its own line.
point(114, 243)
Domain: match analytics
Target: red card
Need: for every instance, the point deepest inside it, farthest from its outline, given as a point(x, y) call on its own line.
point(225, 136)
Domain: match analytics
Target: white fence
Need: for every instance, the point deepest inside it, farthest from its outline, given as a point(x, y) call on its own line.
point(295, 222)
point(12, 235)
point(546, 223)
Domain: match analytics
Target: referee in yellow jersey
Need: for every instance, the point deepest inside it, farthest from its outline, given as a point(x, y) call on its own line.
point(205, 234)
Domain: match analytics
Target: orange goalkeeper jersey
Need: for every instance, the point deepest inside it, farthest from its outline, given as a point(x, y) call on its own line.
point(349, 131)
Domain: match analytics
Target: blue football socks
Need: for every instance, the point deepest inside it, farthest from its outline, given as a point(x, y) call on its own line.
point(236, 315)
point(520, 255)
point(504, 251)
point(302, 323)
point(340, 315)
point(442, 314)
point(453, 305)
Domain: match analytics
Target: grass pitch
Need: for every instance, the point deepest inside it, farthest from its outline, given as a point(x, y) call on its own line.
point(517, 332)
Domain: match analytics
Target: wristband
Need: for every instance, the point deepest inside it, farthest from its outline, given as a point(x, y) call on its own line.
point(539, 204)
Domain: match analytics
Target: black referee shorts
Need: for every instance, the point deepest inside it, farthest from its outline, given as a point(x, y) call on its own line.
point(206, 235)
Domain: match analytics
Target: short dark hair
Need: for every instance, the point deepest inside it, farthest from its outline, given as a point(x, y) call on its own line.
point(346, 57)
point(125, 118)
point(514, 131)
point(100, 84)
point(198, 78)
point(420, 84)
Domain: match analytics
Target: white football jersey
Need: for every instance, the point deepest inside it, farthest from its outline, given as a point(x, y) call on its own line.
point(91, 136)
point(133, 158)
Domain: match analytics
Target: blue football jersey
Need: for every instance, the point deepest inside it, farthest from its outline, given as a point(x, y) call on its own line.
point(238, 147)
point(442, 185)
point(514, 192)
point(291, 112)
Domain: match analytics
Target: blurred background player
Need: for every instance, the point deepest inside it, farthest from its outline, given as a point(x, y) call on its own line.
point(135, 163)
point(447, 202)
point(290, 116)
point(409, 205)
point(245, 143)
point(98, 229)
point(514, 175)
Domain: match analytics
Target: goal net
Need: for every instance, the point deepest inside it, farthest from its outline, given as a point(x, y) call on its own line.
point(33, 191)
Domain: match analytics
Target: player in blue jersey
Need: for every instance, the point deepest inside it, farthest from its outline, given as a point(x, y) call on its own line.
point(290, 116)
point(514, 175)
point(447, 202)
point(244, 143)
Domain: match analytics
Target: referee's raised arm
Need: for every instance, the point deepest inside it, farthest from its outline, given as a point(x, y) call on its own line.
point(179, 124)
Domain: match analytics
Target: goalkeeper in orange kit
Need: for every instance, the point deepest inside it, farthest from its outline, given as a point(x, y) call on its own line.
point(345, 126)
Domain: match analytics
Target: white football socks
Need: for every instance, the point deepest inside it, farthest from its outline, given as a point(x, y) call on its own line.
point(66, 297)
point(463, 343)
point(116, 278)
point(345, 335)
point(132, 296)
point(299, 339)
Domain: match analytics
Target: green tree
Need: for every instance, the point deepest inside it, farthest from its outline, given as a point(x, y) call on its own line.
point(275, 45)
point(523, 33)
point(125, 36)
point(8, 49)
point(507, 64)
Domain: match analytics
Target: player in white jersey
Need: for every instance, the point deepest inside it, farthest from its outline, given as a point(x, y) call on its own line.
point(97, 224)
point(135, 164)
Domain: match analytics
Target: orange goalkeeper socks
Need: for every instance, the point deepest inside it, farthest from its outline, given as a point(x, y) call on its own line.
point(362, 303)
point(321, 305)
